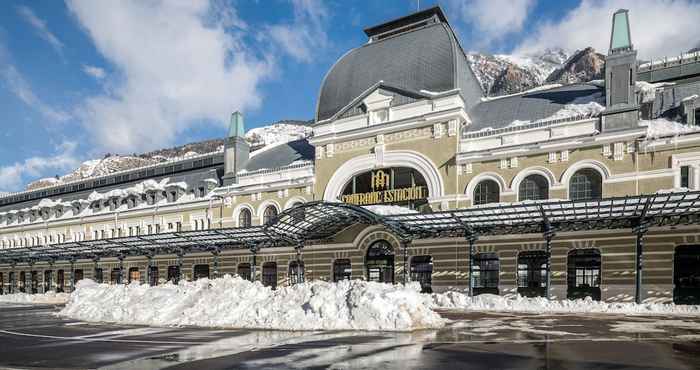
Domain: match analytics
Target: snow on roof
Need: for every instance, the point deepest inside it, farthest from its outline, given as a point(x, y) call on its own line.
point(534, 89)
point(662, 127)
point(388, 210)
point(647, 91)
point(590, 109)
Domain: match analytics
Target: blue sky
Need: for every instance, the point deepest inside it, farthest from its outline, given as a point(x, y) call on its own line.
point(82, 78)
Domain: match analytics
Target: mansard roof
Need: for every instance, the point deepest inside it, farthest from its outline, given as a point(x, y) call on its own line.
point(426, 56)
point(531, 106)
point(281, 155)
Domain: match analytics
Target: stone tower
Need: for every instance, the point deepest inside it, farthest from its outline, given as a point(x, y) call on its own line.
point(621, 108)
point(236, 149)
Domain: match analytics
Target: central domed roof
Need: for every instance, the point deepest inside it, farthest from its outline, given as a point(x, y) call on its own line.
point(426, 56)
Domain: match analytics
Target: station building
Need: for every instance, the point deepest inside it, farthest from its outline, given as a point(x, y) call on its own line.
point(516, 194)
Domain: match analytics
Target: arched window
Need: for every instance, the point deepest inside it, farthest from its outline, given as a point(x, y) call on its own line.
point(380, 262)
point(583, 274)
point(533, 187)
point(486, 191)
point(296, 272)
point(244, 218)
point(586, 184)
point(269, 214)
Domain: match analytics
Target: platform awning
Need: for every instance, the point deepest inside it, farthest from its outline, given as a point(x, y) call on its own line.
point(318, 221)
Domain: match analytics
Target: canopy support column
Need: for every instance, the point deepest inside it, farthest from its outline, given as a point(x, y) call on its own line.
point(216, 253)
point(148, 268)
point(254, 250)
point(300, 277)
point(121, 269)
point(640, 230)
point(548, 233)
point(72, 275)
point(51, 282)
point(406, 277)
point(95, 267)
point(180, 253)
point(32, 288)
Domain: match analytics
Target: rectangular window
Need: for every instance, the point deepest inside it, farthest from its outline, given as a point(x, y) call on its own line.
point(697, 117)
point(178, 226)
point(685, 176)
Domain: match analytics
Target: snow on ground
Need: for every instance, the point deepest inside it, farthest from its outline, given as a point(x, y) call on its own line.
point(45, 298)
point(490, 302)
point(662, 127)
point(388, 210)
point(233, 302)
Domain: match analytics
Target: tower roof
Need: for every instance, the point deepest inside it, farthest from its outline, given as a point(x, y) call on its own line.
point(416, 52)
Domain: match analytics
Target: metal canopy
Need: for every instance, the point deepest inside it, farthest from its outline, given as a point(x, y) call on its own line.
point(316, 221)
point(628, 212)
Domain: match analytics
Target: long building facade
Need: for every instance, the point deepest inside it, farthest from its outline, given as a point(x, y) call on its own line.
point(402, 121)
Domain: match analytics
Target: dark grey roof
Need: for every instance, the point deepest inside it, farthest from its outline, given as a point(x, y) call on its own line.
point(501, 112)
point(427, 58)
point(281, 155)
point(667, 103)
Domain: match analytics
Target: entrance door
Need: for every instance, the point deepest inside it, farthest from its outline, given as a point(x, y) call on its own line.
point(342, 269)
point(35, 282)
point(244, 271)
point(78, 275)
point(115, 277)
point(153, 275)
point(11, 288)
point(2, 283)
point(686, 275)
point(22, 281)
point(380, 262)
point(48, 277)
point(269, 274)
point(99, 278)
point(60, 281)
point(134, 275)
point(201, 272)
point(583, 274)
point(174, 274)
point(422, 271)
point(532, 273)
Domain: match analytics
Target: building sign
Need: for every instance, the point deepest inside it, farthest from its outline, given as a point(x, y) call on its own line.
point(384, 190)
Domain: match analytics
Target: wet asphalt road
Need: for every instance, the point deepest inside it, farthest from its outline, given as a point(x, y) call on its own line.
point(33, 337)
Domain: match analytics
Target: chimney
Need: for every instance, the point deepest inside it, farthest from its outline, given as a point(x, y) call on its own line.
point(236, 149)
point(621, 109)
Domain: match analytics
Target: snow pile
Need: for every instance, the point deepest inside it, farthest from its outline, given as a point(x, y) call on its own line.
point(45, 298)
point(233, 302)
point(662, 127)
point(388, 210)
point(490, 302)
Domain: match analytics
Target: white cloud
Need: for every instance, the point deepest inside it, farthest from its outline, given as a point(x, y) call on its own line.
point(179, 65)
point(12, 177)
point(96, 72)
point(306, 34)
point(19, 86)
point(41, 29)
point(659, 27)
point(493, 19)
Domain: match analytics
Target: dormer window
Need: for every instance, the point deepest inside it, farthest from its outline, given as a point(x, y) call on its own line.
point(380, 116)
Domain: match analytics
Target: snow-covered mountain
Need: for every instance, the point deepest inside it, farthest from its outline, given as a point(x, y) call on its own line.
point(281, 131)
point(503, 74)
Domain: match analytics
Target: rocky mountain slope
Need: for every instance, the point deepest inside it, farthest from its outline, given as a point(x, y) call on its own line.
point(509, 74)
point(281, 131)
